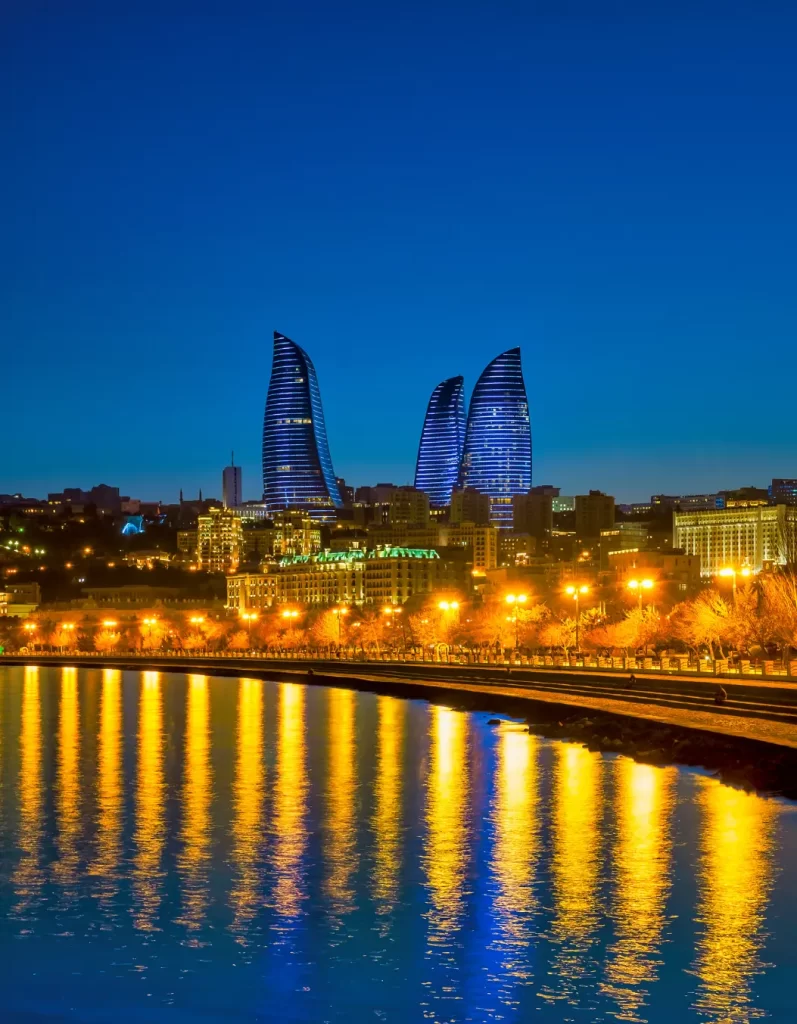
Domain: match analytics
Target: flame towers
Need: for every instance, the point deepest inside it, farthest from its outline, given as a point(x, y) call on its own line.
point(297, 467)
point(442, 439)
point(497, 454)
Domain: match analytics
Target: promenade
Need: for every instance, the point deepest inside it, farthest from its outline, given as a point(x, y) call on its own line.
point(752, 708)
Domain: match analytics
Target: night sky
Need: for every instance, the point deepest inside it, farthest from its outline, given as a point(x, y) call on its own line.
point(405, 190)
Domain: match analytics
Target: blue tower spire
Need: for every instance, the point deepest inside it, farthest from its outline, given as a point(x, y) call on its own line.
point(297, 466)
point(442, 439)
point(497, 455)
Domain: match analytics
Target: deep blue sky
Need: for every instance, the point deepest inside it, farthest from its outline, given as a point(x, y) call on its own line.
point(406, 190)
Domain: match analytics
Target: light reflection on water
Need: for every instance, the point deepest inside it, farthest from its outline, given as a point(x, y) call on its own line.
point(274, 851)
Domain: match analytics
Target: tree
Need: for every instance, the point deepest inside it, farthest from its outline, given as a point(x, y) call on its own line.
point(704, 622)
point(106, 641)
point(779, 608)
point(559, 633)
point(371, 631)
point(329, 629)
point(239, 640)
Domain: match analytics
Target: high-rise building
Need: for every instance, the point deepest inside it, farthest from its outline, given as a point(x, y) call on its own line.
point(408, 505)
point(783, 492)
point(231, 482)
point(469, 506)
point(532, 513)
point(497, 454)
point(594, 512)
point(297, 467)
point(442, 441)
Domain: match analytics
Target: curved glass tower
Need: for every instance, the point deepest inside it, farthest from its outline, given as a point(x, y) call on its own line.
point(497, 456)
point(442, 439)
point(297, 467)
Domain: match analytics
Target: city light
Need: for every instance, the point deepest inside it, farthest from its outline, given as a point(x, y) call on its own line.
point(639, 587)
point(575, 591)
point(515, 600)
point(289, 613)
point(448, 606)
point(109, 623)
point(197, 620)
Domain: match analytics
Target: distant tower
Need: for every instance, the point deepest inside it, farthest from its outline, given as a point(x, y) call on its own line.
point(297, 467)
point(497, 456)
point(442, 438)
point(231, 481)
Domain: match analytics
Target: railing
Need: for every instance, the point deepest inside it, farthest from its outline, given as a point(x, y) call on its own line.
point(677, 664)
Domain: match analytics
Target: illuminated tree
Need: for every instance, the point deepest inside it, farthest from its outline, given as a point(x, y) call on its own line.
point(558, 633)
point(779, 608)
point(153, 630)
point(329, 629)
point(106, 641)
point(372, 631)
point(239, 641)
point(292, 638)
point(704, 622)
point(194, 641)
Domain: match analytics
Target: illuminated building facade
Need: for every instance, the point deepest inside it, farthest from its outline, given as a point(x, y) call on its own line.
point(442, 441)
point(384, 575)
point(219, 540)
point(297, 467)
point(497, 453)
point(738, 538)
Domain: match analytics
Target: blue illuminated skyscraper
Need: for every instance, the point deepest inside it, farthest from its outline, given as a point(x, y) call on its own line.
point(297, 468)
point(442, 439)
point(497, 456)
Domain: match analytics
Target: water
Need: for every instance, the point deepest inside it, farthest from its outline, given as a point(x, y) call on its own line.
point(196, 848)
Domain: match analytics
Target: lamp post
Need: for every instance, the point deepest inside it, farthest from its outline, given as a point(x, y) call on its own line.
point(340, 612)
point(30, 629)
point(515, 600)
point(733, 573)
point(150, 623)
point(249, 617)
point(639, 586)
point(575, 592)
point(390, 611)
point(70, 628)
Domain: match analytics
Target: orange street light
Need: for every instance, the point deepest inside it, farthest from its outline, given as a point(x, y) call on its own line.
point(640, 586)
point(287, 614)
point(733, 573)
point(575, 592)
point(514, 600)
point(109, 623)
point(340, 612)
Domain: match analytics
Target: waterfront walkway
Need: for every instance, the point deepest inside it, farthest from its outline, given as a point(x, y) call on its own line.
point(752, 708)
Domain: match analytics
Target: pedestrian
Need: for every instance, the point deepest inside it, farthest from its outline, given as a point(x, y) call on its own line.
point(631, 682)
point(720, 695)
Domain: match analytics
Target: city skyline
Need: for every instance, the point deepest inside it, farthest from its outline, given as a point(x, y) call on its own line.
point(596, 191)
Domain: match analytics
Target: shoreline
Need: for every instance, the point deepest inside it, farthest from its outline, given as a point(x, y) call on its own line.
point(766, 765)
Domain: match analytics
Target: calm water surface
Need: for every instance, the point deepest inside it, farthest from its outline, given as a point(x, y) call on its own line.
point(196, 848)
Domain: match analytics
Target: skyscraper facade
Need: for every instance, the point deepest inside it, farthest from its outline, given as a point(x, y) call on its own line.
point(231, 485)
point(442, 440)
point(497, 455)
point(297, 467)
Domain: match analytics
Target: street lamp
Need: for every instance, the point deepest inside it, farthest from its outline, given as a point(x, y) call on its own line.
point(150, 623)
point(390, 611)
point(290, 613)
point(249, 618)
point(30, 629)
point(639, 586)
point(69, 627)
point(515, 600)
point(576, 592)
point(340, 612)
point(733, 573)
